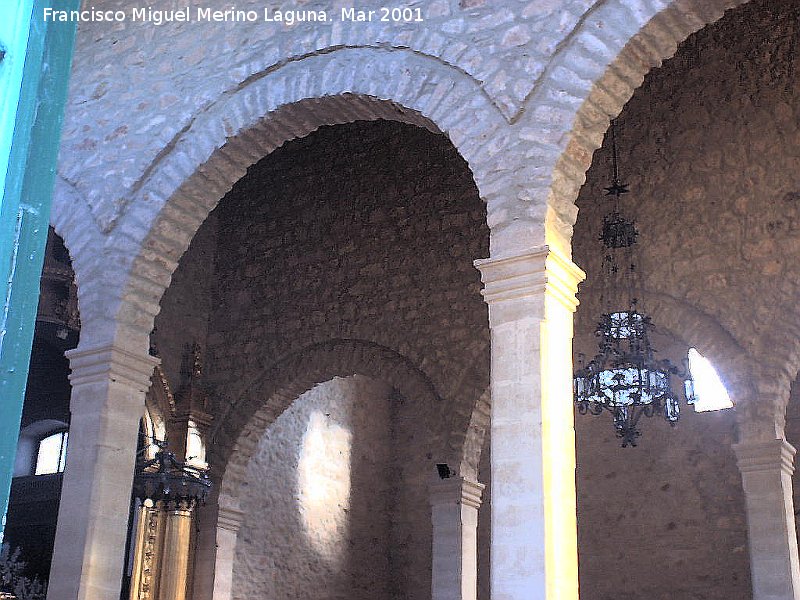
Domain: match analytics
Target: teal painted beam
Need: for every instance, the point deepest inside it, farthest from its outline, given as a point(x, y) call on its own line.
point(15, 22)
point(35, 65)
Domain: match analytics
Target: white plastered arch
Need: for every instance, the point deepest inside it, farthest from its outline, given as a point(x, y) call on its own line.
point(189, 177)
point(592, 77)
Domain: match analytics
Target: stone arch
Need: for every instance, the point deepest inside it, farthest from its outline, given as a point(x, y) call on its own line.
point(72, 221)
point(468, 415)
point(769, 355)
point(238, 431)
point(200, 165)
point(600, 67)
point(476, 436)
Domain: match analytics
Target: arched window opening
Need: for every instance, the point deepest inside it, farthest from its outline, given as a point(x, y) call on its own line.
point(710, 393)
point(51, 455)
point(34, 448)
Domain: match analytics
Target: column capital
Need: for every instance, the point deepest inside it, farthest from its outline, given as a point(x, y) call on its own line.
point(103, 363)
point(456, 490)
point(765, 456)
point(542, 269)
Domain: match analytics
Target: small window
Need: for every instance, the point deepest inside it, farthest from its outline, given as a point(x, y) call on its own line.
point(710, 393)
point(51, 455)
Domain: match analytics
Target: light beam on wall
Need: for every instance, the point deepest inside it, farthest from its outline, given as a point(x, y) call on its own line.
point(324, 484)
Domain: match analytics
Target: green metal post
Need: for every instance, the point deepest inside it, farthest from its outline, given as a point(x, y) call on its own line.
point(34, 70)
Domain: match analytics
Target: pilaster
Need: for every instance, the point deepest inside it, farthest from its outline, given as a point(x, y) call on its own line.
point(766, 468)
point(454, 514)
point(229, 521)
point(456, 491)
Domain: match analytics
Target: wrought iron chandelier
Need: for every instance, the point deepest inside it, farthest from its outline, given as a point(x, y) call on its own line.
point(625, 378)
point(166, 479)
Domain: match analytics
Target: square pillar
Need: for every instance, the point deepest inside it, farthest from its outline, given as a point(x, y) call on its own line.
point(205, 546)
point(108, 389)
point(766, 469)
point(454, 515)
point(229, 520)
point(531, 300)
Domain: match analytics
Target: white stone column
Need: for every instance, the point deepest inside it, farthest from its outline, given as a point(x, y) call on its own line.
point(531, 301)
point(229, 520)
point(454, 514)
point(767, 469)
point(108, 388)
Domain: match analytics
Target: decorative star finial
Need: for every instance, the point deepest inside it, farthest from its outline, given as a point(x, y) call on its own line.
point(617, 189)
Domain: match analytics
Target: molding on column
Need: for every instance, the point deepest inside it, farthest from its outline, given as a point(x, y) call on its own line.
point(765, 456)
point(513, 277)
point(456, 490)
point(543, 269)
point(230, 518)
point(563, 277)
point(103, 363)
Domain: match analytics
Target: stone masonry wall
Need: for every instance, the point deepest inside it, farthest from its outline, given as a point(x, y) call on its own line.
point(663, 520)
point(366, 231)
point(660, 521)
point(186, 304)
point(156, 132)
point(318, 506)
point(709, 146)
point(502, 50)
point(706, 145)
point(257, 318)
point(363, 232)
point(666, 519)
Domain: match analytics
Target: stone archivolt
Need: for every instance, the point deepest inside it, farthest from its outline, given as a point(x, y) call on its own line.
point(513, 98)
